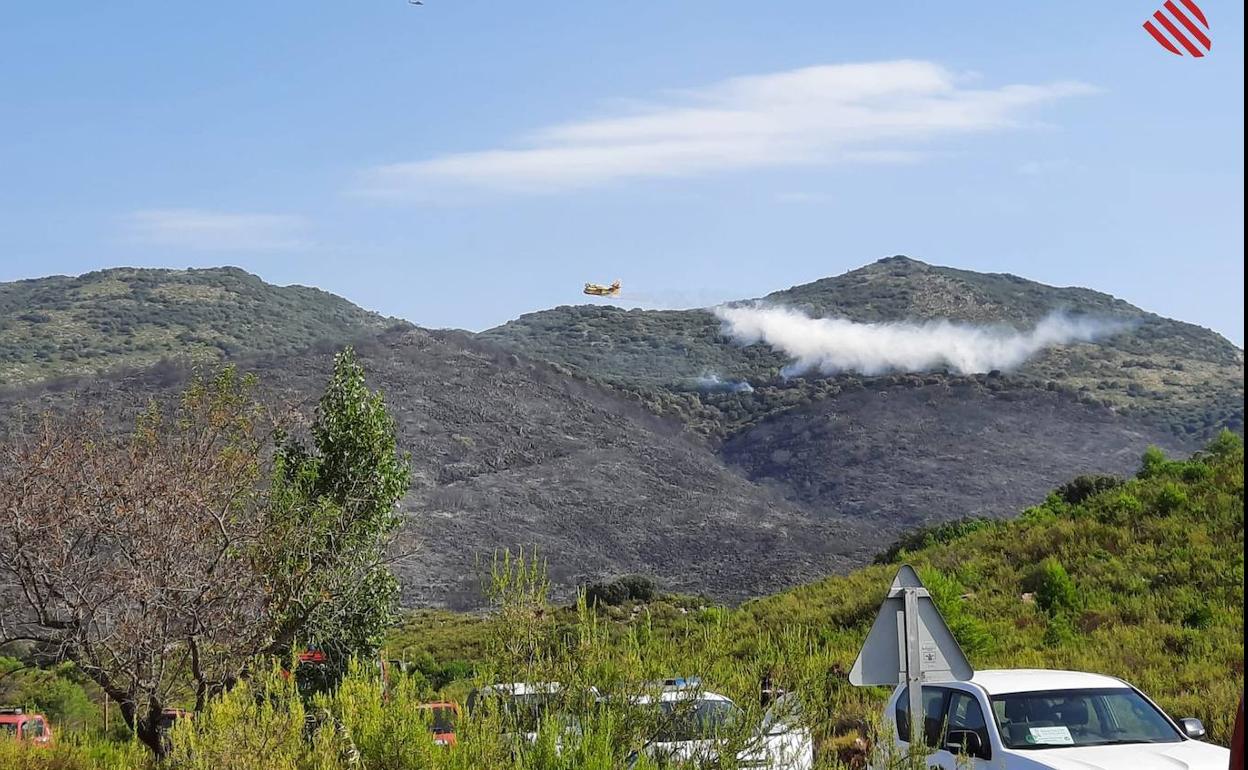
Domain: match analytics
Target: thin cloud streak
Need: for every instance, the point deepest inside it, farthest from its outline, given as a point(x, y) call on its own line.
point(875, 112)
point(216, 230)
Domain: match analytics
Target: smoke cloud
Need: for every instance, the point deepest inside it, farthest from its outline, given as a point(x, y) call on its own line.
point(713, 382)
point(831, 345)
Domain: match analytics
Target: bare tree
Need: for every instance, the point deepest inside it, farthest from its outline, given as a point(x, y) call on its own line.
point(164, 560)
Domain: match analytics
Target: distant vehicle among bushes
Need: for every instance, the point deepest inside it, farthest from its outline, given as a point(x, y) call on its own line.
point(16, 724)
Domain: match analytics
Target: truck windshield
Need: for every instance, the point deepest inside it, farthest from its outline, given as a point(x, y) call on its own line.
point(696, 720)
point(526, 713)
point(1062, 718)
point(443, 719)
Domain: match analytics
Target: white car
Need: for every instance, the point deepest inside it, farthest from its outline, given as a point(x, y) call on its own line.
point(1050, 720)
point(693, 722)
point(524, 705)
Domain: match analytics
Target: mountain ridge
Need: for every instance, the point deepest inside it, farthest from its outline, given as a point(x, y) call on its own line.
point(1179, 375)
point(105, 319)
point(726, 491)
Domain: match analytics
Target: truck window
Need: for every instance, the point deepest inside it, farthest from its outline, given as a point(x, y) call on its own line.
point(33, 728)
point(934, 699)
point(965, 714)
point(1092, 717)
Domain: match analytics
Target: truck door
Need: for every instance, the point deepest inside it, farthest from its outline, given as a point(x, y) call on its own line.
point(36, 731)
point(785, 736)
point(963, 735)
point(935, 700)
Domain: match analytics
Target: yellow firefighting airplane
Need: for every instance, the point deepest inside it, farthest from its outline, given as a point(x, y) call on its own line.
point(598, 290)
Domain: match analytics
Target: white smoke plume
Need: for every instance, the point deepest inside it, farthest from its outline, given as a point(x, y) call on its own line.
point(831, 345)
point(713, 382)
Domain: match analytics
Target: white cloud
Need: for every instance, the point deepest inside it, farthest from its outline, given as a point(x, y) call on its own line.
point(872, 112)
point(216, 230)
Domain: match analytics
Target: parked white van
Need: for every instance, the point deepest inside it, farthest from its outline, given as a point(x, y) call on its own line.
point(693, 722)
point(1050, 720)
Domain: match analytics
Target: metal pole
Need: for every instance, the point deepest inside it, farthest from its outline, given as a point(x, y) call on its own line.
point(914, 678)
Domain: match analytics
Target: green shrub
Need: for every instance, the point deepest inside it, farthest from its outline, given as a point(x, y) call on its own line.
point(1055, 590)
point(636, 588)
point(1083, 487)
point(1171, 498)
point(1199, 618)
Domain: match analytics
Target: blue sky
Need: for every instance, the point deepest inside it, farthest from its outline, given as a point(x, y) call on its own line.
point(462, 162)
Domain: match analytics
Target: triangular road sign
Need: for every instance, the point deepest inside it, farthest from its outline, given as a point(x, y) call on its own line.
point(909, 633)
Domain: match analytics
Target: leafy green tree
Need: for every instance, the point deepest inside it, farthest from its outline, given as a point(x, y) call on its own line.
point(341, 495)
point(160, 563)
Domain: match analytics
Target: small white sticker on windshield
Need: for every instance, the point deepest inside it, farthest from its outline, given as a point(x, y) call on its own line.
point(1053, 736)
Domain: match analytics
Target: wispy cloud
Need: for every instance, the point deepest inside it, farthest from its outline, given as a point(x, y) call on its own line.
point(216, 230)
point(875, 112)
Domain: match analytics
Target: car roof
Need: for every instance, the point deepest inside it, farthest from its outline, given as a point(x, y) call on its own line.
point(523, 688)
point(1014, 680)
point(679, 694)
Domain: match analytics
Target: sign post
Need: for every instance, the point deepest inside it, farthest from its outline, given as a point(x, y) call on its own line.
point(910, 644)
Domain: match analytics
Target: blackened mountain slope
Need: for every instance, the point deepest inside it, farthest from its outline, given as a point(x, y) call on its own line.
point(507, 453)
point(908, 453)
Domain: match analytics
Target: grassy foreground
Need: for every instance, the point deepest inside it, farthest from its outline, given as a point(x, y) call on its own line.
point(1142, 579)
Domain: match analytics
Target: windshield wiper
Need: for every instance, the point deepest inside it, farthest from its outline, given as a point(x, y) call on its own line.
point(1123, 742)
point(1117, 742)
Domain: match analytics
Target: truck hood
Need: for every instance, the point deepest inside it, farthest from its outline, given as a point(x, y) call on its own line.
point(1188, 755)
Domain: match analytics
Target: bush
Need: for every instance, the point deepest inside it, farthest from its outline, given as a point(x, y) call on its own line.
point(73, 752)
point(1055, 590)
point(607, 594)
point(1199, 618)
point(1059, 631)
point(640, 588)
point(56, 692)
point(1083, 487)
point(1171, 498)
point(637, 588)
point(939, 534)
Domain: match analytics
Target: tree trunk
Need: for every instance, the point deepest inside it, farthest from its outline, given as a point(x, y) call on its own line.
point(145, 724)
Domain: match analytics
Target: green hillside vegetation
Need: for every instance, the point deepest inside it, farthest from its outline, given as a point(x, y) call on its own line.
point(1180, 376)
point(130, 317)
point(1140, 578)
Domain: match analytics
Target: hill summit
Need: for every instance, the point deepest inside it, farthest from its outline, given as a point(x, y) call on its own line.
point(1179, 376)
point(127, 316)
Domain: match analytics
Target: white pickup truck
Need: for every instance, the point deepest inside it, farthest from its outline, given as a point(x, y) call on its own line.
point(1050, 720)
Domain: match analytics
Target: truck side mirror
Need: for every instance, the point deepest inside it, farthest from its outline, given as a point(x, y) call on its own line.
point(965, 742)
point(1193, 728)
